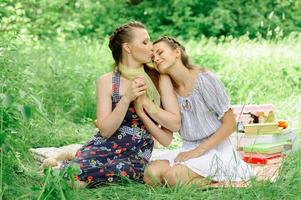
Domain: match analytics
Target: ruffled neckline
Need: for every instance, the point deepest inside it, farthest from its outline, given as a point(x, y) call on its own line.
point(195, 88)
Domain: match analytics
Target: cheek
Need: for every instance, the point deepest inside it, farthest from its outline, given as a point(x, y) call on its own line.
point(142, 51)
point(167, 57)
point(168, 61)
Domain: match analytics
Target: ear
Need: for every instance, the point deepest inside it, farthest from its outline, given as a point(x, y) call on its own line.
point(178, 52)
point(126, 47)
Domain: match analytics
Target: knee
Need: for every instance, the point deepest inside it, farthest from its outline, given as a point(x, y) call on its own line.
point(150, 177)
point(177, 174)
point(171, 177)
point(153, 173)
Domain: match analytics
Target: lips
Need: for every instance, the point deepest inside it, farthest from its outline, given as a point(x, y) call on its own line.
point(158, 63)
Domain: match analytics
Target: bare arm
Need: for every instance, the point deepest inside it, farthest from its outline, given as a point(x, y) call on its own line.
point(108, 121)
point(224, 131)
point(168, 117)
point(163, 135)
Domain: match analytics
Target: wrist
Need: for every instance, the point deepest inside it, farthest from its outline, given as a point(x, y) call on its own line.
point(150, 107)
point(126, 100)
point(200, 150)
point(141, 114)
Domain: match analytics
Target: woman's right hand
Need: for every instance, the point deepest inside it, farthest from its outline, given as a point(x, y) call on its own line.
point(138, 106)
point(136, 89)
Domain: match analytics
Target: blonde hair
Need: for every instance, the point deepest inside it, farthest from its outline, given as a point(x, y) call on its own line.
point(122, 35)
point(173, 43)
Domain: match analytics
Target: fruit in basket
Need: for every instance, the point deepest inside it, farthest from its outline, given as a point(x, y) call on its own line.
point(283, 124)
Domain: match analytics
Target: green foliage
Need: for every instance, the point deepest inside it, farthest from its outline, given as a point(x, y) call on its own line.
point(26, 119)
point(47, 99)
point(251, 69)
point(67, 19)
point(52, 52)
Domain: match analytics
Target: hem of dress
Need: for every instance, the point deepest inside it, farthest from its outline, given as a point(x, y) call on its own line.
point(205, 175)
point(215, 178)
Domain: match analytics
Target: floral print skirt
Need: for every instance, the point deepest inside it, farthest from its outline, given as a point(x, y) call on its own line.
point(122, 156)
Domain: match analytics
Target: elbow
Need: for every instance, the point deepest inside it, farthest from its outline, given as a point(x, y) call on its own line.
point(104, 133)
point(176, 125)
point(166, 143)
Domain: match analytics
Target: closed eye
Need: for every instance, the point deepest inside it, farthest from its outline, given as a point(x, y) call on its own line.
point(145, 41)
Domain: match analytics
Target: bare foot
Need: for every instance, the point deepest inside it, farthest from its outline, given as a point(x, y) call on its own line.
point(77, 184)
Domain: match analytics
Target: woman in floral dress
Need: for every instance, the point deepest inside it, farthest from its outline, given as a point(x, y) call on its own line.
point(129, 113)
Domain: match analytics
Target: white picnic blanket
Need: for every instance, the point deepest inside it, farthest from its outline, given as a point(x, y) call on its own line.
point(40, 154)
point(263, 172)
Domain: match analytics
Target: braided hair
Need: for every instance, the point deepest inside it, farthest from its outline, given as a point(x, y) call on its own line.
point(122, 35)
point(173, 43)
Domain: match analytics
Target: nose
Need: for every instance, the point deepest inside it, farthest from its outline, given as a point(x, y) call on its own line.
point(155, 57)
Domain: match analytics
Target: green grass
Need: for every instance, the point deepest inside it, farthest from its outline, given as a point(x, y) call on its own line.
point(47, 95)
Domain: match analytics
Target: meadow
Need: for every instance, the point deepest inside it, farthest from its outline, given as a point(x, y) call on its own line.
point(47, 98)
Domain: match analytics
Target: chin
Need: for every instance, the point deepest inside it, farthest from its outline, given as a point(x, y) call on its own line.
point(163, 69)
point(147, 61)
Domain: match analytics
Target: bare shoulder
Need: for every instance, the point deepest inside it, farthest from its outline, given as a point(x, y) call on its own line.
point(164, 79)
point(104, 82)
point(199, 71)
point(105, 78)
point(165, 84)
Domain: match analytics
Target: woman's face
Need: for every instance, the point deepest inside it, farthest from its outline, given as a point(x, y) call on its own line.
point(164, 57)
point(140, 46)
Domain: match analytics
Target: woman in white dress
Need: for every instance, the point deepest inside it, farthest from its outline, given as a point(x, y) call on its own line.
point(207, 123)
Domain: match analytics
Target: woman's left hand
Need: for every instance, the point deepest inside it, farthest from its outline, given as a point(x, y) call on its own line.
point(184, 156)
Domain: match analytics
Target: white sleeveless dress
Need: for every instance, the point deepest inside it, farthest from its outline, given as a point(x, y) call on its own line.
point(201, 112)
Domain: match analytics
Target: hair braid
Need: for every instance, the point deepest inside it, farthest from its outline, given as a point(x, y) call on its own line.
point(173, 43)
point(122, 35)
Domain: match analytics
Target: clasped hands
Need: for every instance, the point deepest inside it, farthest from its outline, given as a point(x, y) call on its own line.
point(137, 92)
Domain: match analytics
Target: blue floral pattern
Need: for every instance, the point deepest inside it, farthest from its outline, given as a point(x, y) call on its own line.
point(124, 154)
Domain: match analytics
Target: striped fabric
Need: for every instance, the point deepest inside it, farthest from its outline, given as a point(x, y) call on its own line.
point(201, 112)
point(203, 108)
